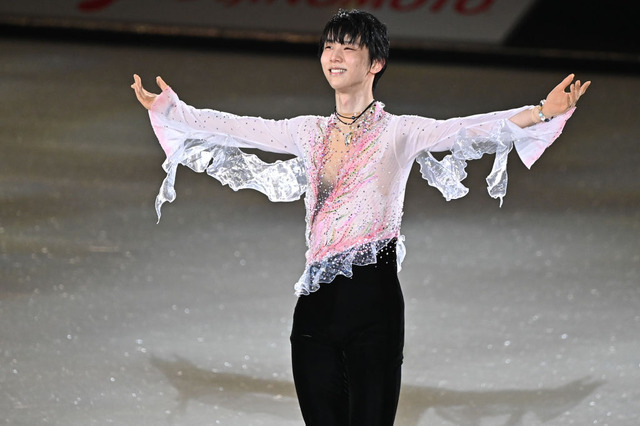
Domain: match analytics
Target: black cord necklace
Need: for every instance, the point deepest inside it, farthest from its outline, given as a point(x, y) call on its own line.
point(348, 135)
point(353, 118)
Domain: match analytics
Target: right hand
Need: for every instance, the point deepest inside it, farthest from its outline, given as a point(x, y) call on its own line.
point(144, 97)
point(558, 101)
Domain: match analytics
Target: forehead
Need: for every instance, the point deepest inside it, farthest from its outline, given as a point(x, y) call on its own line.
point(343, 35)
point(347, 40)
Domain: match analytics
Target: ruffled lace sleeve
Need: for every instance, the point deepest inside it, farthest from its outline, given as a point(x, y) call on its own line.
point(469, 138)
point(209, 141)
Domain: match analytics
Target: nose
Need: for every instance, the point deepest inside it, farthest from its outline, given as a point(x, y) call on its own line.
point(336, 55)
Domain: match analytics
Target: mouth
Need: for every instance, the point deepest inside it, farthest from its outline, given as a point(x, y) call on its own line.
point(337, 71)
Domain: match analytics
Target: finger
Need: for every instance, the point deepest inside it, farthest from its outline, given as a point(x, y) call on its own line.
point(137, 86)
point(141, 94)
point(584, 88)
point(136, 81)
point(571, 95)
point(573, 99)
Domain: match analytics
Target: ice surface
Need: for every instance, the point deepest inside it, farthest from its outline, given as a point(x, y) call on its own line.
point(523, 315)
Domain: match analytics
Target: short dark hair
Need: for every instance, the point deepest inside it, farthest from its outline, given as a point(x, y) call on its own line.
point(357, 26)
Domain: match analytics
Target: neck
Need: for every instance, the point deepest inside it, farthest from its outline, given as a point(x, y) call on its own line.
point(350, 105)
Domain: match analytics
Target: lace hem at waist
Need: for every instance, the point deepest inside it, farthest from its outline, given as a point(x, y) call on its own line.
point(325, 270)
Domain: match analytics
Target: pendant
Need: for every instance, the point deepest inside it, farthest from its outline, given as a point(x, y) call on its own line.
point(347, 138)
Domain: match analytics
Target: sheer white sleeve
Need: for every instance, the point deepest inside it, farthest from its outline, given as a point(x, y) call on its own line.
point(469, 138)
point(208, 141)
point(175, 122)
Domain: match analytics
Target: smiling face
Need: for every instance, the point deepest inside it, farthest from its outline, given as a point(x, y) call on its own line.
point(347, 66)
point(355, 30)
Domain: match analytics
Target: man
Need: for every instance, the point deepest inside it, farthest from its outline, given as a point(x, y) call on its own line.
point(348, 329)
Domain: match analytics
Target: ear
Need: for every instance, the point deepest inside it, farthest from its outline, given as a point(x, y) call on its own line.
point(377, 66)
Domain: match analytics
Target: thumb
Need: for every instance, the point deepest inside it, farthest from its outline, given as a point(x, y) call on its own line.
point(161, 83)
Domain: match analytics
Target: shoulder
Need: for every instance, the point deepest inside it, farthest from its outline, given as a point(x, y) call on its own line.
point(412, 124)
point(309, 122)
point(405, 121)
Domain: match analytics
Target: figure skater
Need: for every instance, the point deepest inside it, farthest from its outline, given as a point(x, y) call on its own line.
point(352, 167)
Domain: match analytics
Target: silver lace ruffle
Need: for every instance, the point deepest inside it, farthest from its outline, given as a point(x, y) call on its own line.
point(325, 271)
point(447, 174)
point(279, 181)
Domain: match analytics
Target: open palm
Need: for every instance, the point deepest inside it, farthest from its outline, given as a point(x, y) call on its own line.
point(145, 97)
point(558, 100)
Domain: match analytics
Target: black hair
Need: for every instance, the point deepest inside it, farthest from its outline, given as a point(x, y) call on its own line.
point(357, 26)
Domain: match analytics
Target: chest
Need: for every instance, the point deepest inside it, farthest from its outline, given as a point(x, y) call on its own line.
point(340, 152)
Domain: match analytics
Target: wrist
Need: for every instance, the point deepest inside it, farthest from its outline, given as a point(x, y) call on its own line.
point(534, 115)
point(539, 110)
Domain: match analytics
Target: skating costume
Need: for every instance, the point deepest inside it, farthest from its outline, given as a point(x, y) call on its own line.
point(355, 212)
point(348, 335)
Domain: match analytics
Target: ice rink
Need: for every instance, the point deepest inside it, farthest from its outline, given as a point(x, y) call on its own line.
point(527, 314)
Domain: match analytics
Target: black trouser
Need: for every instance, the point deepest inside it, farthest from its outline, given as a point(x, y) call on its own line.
point(346, 346)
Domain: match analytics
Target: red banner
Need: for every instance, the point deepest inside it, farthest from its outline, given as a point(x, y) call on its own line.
point(481, 21)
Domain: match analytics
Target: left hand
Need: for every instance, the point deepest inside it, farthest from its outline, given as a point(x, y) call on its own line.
point(145, 97)
point(558, 101)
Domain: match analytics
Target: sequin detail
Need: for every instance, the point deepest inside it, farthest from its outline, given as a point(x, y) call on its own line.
point(354, 194)
point(349, 218)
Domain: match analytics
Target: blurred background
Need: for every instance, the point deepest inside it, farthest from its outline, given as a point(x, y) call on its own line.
point(521, 315)
point(486, 29)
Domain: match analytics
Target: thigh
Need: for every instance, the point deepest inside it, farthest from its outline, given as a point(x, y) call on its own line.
point(373, 353)
point(373, 365)
point(319, 377)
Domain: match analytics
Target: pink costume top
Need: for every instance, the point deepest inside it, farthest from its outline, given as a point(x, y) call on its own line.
point(354, 193)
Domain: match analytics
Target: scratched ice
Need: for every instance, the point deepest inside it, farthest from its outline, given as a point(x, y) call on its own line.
point(520, 315)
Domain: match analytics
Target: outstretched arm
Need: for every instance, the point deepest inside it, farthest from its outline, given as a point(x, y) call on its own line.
point(174, 123)
point(558, 102)
point(187, 141)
